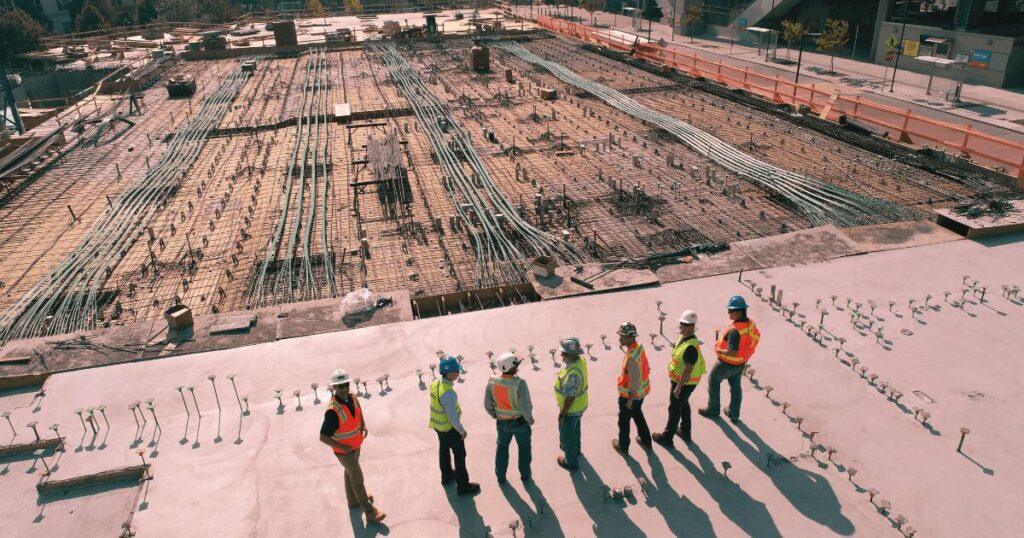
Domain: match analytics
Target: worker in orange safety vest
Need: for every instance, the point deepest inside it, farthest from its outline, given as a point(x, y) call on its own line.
point(343, 430)
point(633, 386)
point(734, 348)
point(507, 400)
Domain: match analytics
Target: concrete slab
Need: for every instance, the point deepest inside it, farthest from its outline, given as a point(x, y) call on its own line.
point(600, 277)
point(986, 224)
point(899, 235)
point(805, 246)
point(729, 261)
point(270, 477)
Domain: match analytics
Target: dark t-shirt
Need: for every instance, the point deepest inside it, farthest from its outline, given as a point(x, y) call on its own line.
point(330, 424)
point(690, 355)
point(732, 338)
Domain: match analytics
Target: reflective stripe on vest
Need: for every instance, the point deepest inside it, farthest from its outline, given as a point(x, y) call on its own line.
point(677, 366)
point(579, 405)
point(438, 418)
point(349, 432)
point(749, 338)
point(505, 392)
point(635, 353)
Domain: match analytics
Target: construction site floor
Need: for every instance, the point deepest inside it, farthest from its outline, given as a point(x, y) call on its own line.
point(812, 412)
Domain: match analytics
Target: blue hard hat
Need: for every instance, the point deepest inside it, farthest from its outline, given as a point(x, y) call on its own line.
point(736, 302)
point(449, 364)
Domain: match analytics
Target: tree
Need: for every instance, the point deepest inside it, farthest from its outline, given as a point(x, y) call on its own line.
point(792, 30)
point(177, 10)
point(833, 39)
point(592, 6)
point(693, 16)
point(652, 11)
point(30, 8)
point(145, 12)
point(218, 11)
point(19, 33)
point(90, 18)
point(353, 7)
point(315, 7)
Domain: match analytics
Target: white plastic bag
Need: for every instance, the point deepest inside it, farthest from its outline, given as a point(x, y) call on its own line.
point(357, 302)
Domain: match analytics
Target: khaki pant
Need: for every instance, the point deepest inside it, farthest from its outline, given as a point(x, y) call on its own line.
point(355, 491)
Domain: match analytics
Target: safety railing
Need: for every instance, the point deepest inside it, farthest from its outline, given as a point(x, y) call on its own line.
point(902, 124)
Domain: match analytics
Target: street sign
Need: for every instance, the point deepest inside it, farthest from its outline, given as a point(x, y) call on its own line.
point(889, 56)
point(980, 59)
point(911, 48)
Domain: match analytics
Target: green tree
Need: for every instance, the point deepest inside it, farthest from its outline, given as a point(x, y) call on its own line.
point(791, 31)
point(353, 7)
point(315, 7)
point(692, 17)
point(177, 10)
point(592, 6)
point(19, 33)
point(146, 12)
point(34, 10)
point(833, 39)
point(218, 11)
point(90, 18)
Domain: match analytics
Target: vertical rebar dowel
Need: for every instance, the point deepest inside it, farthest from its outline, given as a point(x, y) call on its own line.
point(963, 435)
point(152, 410)
point(103, 411)
point(213, 382)
point(231, 378)
point(192, 389)
point(181, 392)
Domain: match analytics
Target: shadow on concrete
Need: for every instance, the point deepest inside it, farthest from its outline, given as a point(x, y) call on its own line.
point(1000, 240)
point(361, 529)
point(471, 523)
point(609, 518)
point(747, 513)
point(808, 492)
point(986, 470)
point(537, 521)
point(682, 516)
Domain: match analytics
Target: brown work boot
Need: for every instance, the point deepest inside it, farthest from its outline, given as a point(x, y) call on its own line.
point(469, 488)
point(355, 504)
point(375, 516)
point(662, 439)
point(619, 449)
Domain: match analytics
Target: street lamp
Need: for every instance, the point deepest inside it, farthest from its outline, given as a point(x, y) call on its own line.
point(800, 56)
point(899, 48)
point(769, 46)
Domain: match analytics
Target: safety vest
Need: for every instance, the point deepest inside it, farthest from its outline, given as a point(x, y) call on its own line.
point(749, 337)
point(676, 366)
point(635, 353)
point(506, 397)
point(579, 405)
point(438, 418)
point(350, 427)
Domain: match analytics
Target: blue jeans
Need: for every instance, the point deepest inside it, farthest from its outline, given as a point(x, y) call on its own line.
point(507, 429)
point(732, 372)
point(569, 436)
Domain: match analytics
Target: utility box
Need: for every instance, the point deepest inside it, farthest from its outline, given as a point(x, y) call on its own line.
point(544, 266)
point(284, 34)
point(181, 86)
point(480, 58)
point(249, 65)
point(548, 94)
point(178, 317)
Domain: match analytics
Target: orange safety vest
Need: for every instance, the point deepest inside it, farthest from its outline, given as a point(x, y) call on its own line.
point(635, 352)
point(505, 392)
point(350, 428)
point(749, 338)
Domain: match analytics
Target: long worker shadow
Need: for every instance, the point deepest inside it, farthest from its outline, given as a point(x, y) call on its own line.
point(747, 513)
point(683, 517)
point(608, 517)
point(361, 529)
point(808, 492)
point(535, 521)
point(471, 523)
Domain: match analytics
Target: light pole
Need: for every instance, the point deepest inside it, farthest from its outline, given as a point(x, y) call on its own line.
point(800, 56)
point(768, 47)
point(899, 48)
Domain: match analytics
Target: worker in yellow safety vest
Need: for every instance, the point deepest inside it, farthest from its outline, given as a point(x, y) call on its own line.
point(507, 400)
point(634, 385)
point(446, 420)
point(684, 371)
point(571, 386)
point(343, 430)
point(734, 348)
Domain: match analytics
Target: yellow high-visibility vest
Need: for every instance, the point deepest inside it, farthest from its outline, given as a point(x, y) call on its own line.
point(579, 405)
point(438, 418)
point(676, 366)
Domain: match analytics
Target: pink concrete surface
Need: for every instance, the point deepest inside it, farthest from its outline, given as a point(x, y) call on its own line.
point(267, 475)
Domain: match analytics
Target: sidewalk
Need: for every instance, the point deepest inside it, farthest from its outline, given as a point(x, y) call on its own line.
point(990, 110)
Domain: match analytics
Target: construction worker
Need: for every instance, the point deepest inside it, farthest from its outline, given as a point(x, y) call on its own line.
point(684, 370)
point(445, 419)
point(571, 396)
point(507, 399)
point(734, 348)
point(343, 430)
point(634, 385)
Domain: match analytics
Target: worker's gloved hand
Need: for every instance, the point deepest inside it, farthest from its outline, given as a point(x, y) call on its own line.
point(366, 433)
point(532, 420)
point(465, 434)
point(561, 419)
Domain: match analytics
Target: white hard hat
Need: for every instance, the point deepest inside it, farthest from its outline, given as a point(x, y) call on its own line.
point(507, 361)
point(339, 377)
point(689, 317)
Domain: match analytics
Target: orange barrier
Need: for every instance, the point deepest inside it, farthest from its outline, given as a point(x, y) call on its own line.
point(903, 125)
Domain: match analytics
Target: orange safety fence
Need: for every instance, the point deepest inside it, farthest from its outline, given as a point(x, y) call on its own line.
point(902, 124)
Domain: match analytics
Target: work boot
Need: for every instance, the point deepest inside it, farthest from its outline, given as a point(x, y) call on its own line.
point(468, 488)
point(646, 446)
point(662, 439)
point(686, 438)
point(502, 480)
point(705, 412)
point(620, 450)
point(735, 419)
point(562, 463)
point(355, 504)
point(375, 516)
point(445, 480)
